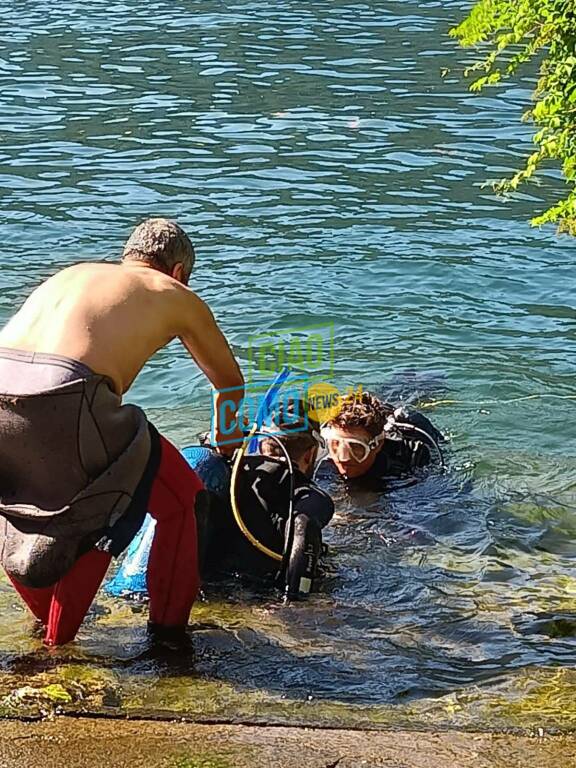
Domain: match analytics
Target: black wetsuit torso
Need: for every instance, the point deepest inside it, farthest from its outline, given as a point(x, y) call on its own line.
point(399, 456)
point(263, 494)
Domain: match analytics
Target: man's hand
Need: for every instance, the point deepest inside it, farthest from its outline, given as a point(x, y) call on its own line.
point(228, 432)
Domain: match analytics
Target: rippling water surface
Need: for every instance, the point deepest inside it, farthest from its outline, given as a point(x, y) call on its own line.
point(327, 160)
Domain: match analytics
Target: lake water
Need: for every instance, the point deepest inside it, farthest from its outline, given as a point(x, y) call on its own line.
point(327, 161)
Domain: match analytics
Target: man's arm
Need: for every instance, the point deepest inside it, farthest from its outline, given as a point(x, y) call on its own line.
point(314, 503)
point(313, 509)
point(207, 344)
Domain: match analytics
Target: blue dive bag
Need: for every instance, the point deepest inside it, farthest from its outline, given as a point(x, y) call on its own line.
point(130, 578)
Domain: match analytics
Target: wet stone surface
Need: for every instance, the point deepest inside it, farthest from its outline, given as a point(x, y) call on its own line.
point(145, 744)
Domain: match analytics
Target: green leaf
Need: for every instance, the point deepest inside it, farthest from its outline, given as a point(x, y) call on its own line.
point(506, 35)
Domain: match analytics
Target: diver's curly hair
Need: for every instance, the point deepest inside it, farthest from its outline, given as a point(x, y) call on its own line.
point(362, 409)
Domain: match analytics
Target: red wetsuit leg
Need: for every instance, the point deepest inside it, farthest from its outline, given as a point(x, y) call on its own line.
point(73, 596)
point(172, 575)
point(38, 600)
point(173, 579)
point(62, 607)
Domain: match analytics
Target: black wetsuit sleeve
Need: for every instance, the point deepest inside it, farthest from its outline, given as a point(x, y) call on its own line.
point(314, 503)
point(398, 458)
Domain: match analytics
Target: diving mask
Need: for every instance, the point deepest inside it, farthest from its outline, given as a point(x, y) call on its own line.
point(349, 448)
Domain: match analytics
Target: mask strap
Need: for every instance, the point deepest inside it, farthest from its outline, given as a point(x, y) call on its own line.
point(277, 432)
point(377, 440)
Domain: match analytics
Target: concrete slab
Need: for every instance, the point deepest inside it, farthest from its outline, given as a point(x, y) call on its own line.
point(107, 743)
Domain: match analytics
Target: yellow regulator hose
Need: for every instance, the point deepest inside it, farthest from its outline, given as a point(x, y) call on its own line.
point(234, 501)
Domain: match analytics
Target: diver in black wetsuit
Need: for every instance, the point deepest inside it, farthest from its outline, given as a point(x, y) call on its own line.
point(280, 505)
point(370, 441)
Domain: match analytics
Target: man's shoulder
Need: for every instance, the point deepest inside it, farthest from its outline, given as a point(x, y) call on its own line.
point(305, 484)
point(276, 471)
point(152, 279)
point(313, 501)
point(86, 273)
point(401, 455)
point(81, 267)
point(270, 478)
point(73, 271)
point(268, 465)
point(264, 480)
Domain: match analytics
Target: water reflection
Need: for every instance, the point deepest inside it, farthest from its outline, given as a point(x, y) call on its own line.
point(327, 171)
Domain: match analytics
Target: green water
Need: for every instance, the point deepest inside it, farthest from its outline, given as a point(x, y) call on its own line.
point(326, 172)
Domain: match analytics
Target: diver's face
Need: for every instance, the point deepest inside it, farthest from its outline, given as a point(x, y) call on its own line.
point(349, 450)
point(307, 463)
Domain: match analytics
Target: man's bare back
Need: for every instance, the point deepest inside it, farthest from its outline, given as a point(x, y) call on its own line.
point(114, 317)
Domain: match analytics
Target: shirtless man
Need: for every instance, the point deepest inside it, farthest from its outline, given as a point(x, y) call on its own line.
point(79, 470)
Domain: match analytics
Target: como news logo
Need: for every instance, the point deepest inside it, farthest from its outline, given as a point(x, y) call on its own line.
point(309, 354)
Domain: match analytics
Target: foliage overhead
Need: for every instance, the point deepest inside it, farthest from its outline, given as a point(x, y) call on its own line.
point(509, 33)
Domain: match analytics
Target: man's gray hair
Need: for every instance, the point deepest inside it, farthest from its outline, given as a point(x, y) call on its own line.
point(161, 243)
